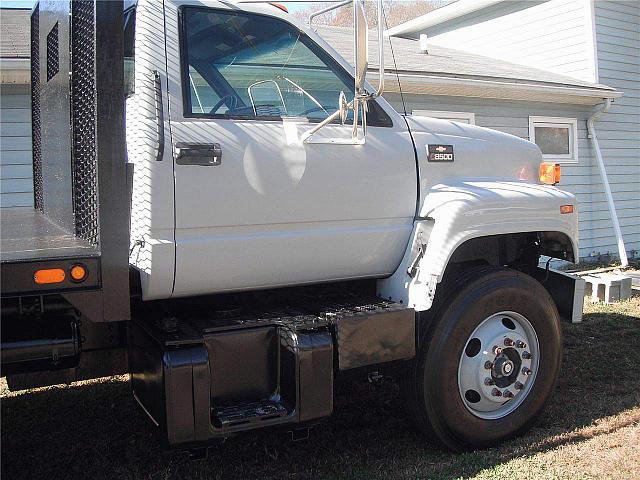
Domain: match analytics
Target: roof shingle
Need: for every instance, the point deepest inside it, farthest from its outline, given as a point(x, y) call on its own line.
point(446, 62)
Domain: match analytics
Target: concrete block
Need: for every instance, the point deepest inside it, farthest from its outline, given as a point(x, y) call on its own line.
point(607, 288)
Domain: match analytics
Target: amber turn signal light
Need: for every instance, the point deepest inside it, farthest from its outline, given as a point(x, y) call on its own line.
point(50, 275)
point(566, 209)
point(550, 173)
point(78, 273)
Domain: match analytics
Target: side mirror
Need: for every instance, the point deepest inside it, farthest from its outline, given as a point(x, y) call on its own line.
point(361, 47)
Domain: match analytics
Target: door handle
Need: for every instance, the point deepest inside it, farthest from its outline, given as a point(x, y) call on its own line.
point(157, 85)
point(204, 154)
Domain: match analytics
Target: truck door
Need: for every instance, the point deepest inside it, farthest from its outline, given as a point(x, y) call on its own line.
point(255, 207)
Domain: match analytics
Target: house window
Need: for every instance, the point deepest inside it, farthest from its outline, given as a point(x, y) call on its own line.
point(556, 137)
point(463, 117)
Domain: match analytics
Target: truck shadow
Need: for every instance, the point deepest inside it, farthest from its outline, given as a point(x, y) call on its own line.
point(94, 430)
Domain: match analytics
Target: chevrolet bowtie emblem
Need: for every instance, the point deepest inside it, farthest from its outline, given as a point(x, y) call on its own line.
point(441, 149)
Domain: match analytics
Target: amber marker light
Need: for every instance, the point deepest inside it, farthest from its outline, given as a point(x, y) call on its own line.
point(78, 273)
point(50, 275)
point(566, 209)
point(549, 173)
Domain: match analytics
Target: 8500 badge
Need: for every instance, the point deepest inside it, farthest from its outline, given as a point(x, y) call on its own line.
point(440, 153)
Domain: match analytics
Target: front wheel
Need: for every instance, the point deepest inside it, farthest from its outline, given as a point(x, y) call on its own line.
point(488, 361)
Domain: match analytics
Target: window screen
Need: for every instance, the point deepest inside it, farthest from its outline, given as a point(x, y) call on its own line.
point(553, 140)
point(557, 138)
point(53, 61)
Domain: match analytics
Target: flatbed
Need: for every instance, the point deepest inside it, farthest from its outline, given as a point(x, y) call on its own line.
point(26, 234)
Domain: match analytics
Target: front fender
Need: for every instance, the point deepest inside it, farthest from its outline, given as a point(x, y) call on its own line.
point(456, 212)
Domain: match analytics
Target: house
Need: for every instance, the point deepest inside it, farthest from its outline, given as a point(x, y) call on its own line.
point(584, 41)
point(16, 174)
point(531, 100)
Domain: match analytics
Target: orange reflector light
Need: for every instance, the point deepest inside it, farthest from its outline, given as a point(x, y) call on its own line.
point(78, 273)
point(51, 275)
point(566, 208)
point(550, 173)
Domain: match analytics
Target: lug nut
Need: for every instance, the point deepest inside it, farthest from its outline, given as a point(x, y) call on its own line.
point(497, 350)
point(508, 394)
point(521, 344)
point(496, 393)
point(488, 365)
point(526, 355)
point(508, 342)
point(488, 381)
point(518, 386)
point(526, 371)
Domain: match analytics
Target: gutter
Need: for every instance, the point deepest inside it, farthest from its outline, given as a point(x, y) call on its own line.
point(605, 180)
point(15, 63)
point(15, 70)
point(508, 89)
point(438, 16)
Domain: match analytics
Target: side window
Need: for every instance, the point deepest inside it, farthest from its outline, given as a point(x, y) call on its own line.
point(245, 65)
point(203, 96)
point(129, 50)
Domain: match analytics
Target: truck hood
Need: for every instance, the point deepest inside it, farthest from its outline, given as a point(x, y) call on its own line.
point(478, 154)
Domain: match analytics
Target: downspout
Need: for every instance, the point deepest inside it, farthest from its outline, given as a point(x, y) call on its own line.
point(605, 180)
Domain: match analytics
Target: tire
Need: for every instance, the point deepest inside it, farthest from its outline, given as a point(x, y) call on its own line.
point(474, 303)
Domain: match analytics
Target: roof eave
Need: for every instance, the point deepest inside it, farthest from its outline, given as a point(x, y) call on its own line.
point(500, 90)
point(15, 70)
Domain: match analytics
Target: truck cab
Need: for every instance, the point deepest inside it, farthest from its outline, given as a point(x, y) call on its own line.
point(287, 229)
point(271, 210)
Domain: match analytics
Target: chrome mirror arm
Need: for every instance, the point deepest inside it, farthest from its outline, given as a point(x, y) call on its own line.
point(326, 10)
point(325, 122)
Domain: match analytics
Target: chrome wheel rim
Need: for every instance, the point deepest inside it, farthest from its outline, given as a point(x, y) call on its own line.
point(498, 365)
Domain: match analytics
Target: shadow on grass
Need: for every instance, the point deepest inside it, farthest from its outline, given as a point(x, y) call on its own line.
point(95, 430)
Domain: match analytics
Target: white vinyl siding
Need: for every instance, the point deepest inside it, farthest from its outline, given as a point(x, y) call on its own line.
point(617, 25)
point(582, 179)
point(16, 174)
point(554, 36)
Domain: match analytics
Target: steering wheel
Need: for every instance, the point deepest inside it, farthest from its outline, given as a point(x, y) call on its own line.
point(233, 101)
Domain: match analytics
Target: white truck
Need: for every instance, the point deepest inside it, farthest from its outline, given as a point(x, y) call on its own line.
point(265, 224)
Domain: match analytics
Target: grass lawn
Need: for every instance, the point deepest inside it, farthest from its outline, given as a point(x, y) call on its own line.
point(591, 428)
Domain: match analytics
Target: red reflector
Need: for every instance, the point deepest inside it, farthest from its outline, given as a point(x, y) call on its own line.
point(280, 6)
point(566, 208)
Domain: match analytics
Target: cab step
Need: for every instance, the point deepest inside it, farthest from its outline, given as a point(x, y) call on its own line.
point(249, 413)
point(222, 372)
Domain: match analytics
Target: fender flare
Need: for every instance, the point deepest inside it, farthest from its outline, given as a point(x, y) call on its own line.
point(456, 212)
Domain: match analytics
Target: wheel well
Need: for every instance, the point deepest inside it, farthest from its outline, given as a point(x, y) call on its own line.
point(520, 251)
